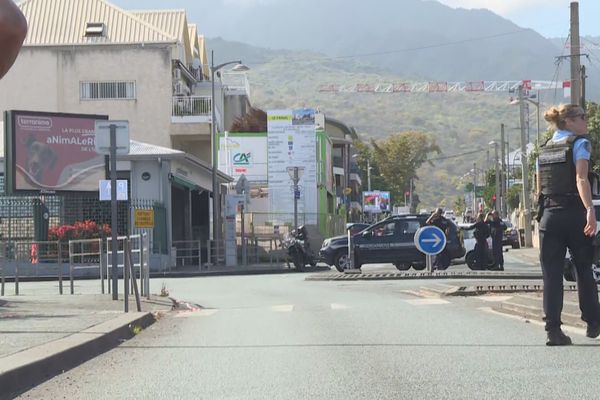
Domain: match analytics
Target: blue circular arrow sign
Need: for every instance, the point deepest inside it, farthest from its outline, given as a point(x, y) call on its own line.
point(430, 240)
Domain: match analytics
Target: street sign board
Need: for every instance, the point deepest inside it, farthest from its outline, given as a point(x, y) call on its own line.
point(104, 188)
point(143, 218)
point(430, 240)
point(102, 139)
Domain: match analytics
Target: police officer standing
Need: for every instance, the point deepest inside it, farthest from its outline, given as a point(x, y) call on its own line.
point(567, 219)
point(481, 233)
point(442, 260)
point(497, 228)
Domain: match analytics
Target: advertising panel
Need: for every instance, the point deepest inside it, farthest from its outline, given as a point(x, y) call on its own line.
point(244, 154)
point(52, 152)
point(292, 142)
point(376, 202)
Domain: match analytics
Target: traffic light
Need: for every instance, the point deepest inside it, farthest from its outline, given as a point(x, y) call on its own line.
point(494, 198)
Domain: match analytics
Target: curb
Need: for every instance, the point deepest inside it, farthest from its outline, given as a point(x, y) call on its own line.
point(22, 371)
point(533, 312)
point(478, 290)
point(177, 274)
point(422, 275)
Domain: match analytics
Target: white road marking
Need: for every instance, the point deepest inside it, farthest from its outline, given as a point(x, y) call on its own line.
point(494, 298)
point(283, 308)
point(426, 302)
point(337, 306)
point(566, 328)
point(200, 313)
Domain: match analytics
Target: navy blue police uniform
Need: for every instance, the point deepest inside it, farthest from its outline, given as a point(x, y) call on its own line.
point(562, 226)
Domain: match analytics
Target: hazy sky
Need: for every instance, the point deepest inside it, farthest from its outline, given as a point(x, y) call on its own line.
point(548, 17)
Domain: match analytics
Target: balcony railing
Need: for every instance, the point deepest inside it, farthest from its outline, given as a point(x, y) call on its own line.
point(191, 109)
point(236, 82)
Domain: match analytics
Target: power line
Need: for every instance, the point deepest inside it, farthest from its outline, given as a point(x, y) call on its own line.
point(434, 45)
point(558, 63)
point(409, 49)
point(457, 155)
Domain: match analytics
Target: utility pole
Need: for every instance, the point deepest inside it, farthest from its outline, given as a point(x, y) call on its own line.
point(503, 211)
point(497, 171)
point(410, 195)
point(575, 53)
point(583, 78)
point(525, 172)
point(369, 174)
point(296, 179)
point(475, 211)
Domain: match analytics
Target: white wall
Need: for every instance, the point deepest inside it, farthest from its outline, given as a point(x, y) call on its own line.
point(47, 79)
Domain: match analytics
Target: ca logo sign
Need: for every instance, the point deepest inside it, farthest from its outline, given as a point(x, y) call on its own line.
point(241, 158)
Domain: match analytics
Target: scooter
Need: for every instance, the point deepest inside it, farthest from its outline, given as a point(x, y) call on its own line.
point(471, 261)
point(298, 249)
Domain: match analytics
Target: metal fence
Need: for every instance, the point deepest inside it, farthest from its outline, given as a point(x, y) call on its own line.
point(264, 224)
point(47, 217)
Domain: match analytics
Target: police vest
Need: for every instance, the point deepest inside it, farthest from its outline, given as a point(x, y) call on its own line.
point(556, 167)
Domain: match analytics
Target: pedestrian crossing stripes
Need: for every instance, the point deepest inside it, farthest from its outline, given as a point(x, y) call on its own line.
point(492, 298)
point(199, 313)
point(337, 306)
point(286, 308)
point(426, 302)
point(283, 308)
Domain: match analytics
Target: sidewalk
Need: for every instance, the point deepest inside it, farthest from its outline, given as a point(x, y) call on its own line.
point(530, 306)
point(43, 333)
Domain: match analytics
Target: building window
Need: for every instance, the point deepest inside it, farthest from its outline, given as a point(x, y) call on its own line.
point(107, 90)
point(95, 29)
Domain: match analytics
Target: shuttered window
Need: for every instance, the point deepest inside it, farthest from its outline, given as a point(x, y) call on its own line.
point(107, 90)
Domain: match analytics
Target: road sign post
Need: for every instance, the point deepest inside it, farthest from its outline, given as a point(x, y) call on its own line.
point(430, 240)
point(351, 256)
point(113, 148)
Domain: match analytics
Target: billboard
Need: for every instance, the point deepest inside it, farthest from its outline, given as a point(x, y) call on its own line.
point(292, 142)
point(376, 202)
point(51, 152)
point(244, 154)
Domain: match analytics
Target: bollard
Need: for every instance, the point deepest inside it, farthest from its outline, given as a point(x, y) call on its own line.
point(60, 267)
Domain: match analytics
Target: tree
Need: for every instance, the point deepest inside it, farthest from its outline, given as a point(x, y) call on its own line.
point(513, 196)
point(460, 205)
point(593, 117)
point(255, 120)
point(396, 159)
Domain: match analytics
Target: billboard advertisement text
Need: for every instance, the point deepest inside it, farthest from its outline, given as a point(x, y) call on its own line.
point(376, 202)
point(52, 152)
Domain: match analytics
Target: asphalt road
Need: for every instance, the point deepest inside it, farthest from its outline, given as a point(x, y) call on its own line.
point(281, 337)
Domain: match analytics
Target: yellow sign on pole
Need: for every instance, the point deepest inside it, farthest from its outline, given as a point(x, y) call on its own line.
point(143, 218)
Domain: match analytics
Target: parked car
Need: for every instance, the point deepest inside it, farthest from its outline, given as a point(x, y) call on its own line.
point(449, 214)
point(468, 238)
point(511, 236)
point(388, 241)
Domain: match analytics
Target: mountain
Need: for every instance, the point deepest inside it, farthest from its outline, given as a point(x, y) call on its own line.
point(462, 123)
point(421, 39)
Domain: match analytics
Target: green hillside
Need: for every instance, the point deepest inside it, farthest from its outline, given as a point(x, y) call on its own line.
point(459, 122)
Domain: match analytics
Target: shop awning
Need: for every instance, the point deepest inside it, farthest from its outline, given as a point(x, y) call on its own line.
point(184, 182)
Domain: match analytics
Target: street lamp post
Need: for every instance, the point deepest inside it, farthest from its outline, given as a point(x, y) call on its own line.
point(215, 185)
point(537, 106)
point(496, 161)
point(525, 173)
point(369, 174)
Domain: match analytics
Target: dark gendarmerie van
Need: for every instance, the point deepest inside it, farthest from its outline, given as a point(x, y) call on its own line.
point(388, 241)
